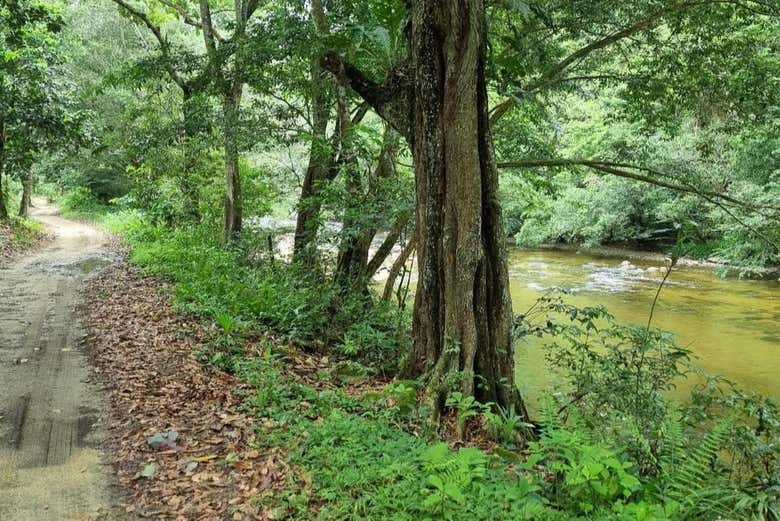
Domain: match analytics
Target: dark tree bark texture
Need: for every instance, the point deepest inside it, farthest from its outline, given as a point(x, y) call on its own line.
point(26, 202)
point(231, 224)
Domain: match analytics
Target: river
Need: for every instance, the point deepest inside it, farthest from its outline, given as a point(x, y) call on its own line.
point(732, 326)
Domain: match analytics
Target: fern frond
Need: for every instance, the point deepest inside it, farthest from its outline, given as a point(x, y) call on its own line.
point(692, 479)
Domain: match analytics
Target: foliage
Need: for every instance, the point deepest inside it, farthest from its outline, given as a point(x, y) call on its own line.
point(81, 202)
point(218, 282)
point(586, 475)
point(716, 457)
point(19, 234)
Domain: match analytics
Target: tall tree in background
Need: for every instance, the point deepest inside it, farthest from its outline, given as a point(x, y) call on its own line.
point(317, 170)
point(227, 61)
point(33, 106)
point(222, 71)
point(188, 72)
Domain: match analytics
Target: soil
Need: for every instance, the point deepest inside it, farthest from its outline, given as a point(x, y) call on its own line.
point(50, 414)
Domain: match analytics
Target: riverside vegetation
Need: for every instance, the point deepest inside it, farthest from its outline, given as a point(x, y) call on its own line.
point(388, 132)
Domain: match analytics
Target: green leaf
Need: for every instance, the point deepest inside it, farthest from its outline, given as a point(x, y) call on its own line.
point(149, 470)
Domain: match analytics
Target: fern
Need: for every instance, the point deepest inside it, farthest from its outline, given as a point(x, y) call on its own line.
point(672, 450)
point(450, 474)
point(551, 421)
point(690, 479)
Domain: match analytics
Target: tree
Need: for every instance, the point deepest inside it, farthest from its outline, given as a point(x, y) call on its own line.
point(184, 69)
point(438, 100)
point(222, 69)
point(33, 107)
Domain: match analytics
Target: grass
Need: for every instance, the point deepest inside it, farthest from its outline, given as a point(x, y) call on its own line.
point(18, 235)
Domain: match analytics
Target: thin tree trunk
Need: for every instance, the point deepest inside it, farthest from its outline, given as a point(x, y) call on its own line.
point(231, 221)
point(3, 208)
point(399, 263)
point(24, 205)
point(354, 268)
point(187, 182)
point(310, 204)
point(353, 249)
point(387, 246)
point(463, 311)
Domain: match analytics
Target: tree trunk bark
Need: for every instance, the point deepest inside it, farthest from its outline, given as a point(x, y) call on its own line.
point(24, 205)
point(231, 221)
point(463, 311)
point(3, 208)
point(399, 263)
point(309, 204)
point(187, 183)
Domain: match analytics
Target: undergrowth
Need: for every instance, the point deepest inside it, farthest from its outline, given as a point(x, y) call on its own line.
point(240, 290)
point(19, 234)
point(609, 446)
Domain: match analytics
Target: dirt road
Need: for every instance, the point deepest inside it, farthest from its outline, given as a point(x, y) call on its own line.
point(49, 412)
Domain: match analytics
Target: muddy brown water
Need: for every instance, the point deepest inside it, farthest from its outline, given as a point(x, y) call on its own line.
point(50, 465)
point(731, 326)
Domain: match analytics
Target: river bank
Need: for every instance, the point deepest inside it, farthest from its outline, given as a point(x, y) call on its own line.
point(724, 268)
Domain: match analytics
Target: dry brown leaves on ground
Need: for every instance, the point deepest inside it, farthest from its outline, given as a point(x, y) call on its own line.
point(142, 351)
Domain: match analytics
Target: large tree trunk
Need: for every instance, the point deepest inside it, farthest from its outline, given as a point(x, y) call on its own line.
point(463, 311)
point(438, 101)
point(231, 216)
point(24, 205)
point(310, 204)
point(3, 208)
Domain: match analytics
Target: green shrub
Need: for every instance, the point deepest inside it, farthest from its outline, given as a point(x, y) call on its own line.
point(81, 202)
point(220, 282)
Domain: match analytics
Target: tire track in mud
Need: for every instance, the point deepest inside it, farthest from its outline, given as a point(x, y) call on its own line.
point(50, 468)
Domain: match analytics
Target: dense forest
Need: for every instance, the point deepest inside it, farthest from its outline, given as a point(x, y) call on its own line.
point(343, 180)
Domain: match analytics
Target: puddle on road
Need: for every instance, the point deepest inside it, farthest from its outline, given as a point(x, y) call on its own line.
point(89, 265)
point(83, 266)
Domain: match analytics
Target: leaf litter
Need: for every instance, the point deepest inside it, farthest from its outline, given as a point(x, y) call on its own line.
point(181, 446)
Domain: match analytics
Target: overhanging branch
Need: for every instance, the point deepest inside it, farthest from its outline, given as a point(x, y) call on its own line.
point(391, 100)
point(552, 75)
point(161, 40)
point(624, 170)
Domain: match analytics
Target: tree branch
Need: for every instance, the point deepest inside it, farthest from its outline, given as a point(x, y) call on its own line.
point(621, 170)
point(551, 75)
point(208, 31)
point(391, 100)
point(161, 40)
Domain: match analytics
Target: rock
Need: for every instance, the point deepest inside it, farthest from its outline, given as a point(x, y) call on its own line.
point(163, 440)
point(652, 269)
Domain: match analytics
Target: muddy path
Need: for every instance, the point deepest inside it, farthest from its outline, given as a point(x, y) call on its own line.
point(50, 467)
